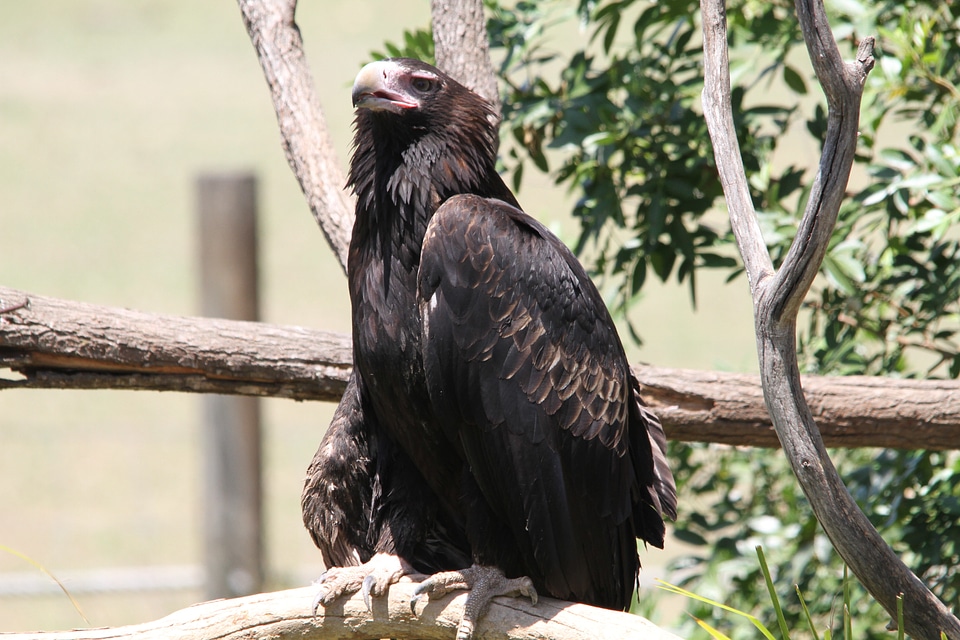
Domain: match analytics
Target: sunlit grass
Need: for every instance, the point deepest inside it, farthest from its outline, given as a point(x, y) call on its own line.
point(784, 628)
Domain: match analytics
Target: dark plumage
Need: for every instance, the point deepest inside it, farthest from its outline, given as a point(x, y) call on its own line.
point(491, 417)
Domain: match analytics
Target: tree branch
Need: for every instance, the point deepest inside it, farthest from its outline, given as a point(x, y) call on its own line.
point(843, 86)
point(852, 411)
point(288, 615)
point(461, 48)
point(777, 300)
point(60, 344)
point(75, 345)
point(303, 131)
point(726, 148)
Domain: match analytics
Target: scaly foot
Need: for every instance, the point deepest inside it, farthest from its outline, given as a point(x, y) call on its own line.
point(484, 583)
point(371, 579)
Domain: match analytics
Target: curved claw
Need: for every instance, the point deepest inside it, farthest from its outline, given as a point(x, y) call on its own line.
point(371, 579)
point(526, 588)
point(365, 589)
point(317, 600)
point(418, 592)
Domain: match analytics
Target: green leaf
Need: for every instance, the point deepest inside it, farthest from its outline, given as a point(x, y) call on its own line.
point(898, 159)
point(517, 176)
point(689, 537)
point(876, 197)
point(920, 181)
point(611, 33)
point(598, 139)
point(639, 276)
point(794, 80)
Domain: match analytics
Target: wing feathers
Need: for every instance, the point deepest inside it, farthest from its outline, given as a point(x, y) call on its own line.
point(528, 375)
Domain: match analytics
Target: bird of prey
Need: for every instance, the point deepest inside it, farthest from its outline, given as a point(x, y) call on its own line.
point(492, 434)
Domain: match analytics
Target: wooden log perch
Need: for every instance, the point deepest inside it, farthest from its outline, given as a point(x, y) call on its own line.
point(58, 344)
point(288, 614)
point(852, 411)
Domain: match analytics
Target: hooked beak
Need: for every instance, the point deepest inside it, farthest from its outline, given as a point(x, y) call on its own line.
point(374, 89)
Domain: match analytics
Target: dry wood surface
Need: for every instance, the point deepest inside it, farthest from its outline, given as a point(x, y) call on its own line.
point(54, 343)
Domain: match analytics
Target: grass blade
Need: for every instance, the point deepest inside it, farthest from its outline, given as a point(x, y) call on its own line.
point(773, 594)
point(714, 633)
point(42, 569)
point(671, 588)
point(806, 613)
point(847, 621)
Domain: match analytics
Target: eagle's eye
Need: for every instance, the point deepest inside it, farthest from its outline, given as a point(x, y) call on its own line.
point(422, 84)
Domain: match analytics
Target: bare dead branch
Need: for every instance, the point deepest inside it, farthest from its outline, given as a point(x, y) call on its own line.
point(777, 300)
point(726, 148)
point(60, 344)
point(303, 131)
point(461, 48)
point(288, 615)
point(843, 85)
point(852, 411)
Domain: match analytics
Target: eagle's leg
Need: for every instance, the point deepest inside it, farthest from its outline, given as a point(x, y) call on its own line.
point(371, 578)
point(484, 583)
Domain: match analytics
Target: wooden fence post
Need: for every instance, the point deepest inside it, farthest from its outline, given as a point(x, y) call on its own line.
point(232, 493)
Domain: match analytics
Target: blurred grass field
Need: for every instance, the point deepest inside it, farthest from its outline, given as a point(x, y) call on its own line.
point(108, 111)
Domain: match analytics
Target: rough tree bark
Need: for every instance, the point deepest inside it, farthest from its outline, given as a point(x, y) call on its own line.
point(57, 343)
point(461, 48)
point(778, 294)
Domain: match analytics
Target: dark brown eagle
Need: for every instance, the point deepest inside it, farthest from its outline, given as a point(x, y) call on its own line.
point(492, 432)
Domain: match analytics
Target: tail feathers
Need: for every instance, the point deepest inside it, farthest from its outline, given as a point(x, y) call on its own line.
point(664, 486)
point(658, 491)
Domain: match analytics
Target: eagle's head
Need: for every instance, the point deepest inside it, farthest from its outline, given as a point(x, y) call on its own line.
point(419, 131)
point(399, 85)
point(411, 93)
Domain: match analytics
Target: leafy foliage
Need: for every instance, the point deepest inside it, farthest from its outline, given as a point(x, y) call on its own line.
point(416, 44)
point(892, 291)
point(622, 127)
point(785, 627)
